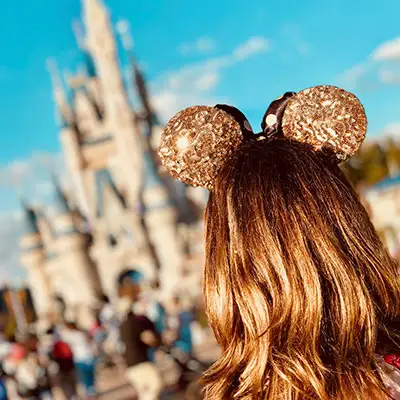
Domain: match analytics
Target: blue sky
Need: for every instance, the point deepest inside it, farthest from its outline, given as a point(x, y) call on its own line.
point(245, 54)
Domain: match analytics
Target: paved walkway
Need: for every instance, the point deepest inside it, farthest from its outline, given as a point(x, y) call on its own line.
point(113, 386)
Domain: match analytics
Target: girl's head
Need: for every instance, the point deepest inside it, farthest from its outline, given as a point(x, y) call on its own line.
point(130, 283)
point(297, 284)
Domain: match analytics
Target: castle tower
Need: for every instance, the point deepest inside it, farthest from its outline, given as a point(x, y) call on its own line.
point(33, 258)
point(100, 42)
point(115, 245)
point(107, 138)
point(78, 282)
point(178, 193)
point(63, 110)
point(159, 207)
point(93, 160)
point(160, 217)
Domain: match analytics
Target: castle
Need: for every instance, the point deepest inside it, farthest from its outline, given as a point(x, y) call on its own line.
point(122, 212)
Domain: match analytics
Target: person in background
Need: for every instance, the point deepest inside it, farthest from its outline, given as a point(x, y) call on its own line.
point(111, 345)
point(3, 387)
point(138, 335)
point(10, 364)
point(178, 326)
point(5, 346)
point(65, 378)
point(32, 372)
point(83, 356)
point(146, 304)
point(178, 337)
point(107, 312)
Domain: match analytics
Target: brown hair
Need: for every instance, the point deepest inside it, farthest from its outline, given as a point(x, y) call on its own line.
point(297, 283)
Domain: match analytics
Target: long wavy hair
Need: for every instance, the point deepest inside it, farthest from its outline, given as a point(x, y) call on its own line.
point(300, 291)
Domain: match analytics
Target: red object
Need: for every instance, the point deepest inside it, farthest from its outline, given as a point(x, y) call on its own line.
point(96, 326)
point(62, 351)
point(393, 359)
point(17, 352)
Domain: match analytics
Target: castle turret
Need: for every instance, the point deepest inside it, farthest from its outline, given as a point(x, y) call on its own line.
point(147, 114)
point(100, 42)
point(63, 109)
point(78, 282)
point(111, 223)
point(33, 258)
point(88, 76)
point(88, 113)
point(160, 217)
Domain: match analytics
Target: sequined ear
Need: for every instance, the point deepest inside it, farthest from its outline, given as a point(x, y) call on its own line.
point(197, 141)
point(327, 118)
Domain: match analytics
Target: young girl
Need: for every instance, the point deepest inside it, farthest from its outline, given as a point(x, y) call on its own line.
point(178, 326)
point(300, 292)
point(83, 355)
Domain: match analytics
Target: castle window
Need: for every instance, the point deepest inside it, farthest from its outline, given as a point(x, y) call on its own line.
point(112, 240)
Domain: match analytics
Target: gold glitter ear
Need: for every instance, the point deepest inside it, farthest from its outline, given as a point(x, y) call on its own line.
point(327, 118)
point(196, 142)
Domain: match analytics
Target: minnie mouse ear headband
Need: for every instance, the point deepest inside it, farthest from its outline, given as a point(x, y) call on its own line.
point(198, 140)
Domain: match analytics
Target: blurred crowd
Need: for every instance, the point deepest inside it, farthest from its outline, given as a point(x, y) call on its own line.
point(131, 336)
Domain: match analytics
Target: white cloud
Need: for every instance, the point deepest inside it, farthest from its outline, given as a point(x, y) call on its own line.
point(194, 83)
point(292, 41)
point(392, 130)
point(203, 45)
point(351, 77)
point(389, 77)
point(169, 101)
point(207, 81)
point(44, 188)
point(378, 69)
point(389, 50)
point(11, 228)
point(256, 44)
point(32, 177)
point(19, 170)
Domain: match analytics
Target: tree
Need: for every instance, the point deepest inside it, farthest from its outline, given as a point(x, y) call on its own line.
point(373, 163)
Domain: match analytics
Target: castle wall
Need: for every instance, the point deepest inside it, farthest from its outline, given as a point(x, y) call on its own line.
point(129, 252)
point(160, 219)
point(38, 281)
point(80, 283)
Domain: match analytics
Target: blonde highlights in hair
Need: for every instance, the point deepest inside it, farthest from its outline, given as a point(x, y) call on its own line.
point(297, 283)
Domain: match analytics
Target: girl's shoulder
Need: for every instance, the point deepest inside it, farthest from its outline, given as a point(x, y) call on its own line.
point(389, 366)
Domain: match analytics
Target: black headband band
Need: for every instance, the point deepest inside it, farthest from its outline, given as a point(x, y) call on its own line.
point(240, 118)
point(272, 119)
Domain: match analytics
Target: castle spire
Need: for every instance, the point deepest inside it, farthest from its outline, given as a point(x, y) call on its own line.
point(30, 218)
point(140, 82)
point(96, 20)
point(95, 7)
point(64, 112)
point(90, 68)
point(100, 41)
point(60, 200)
